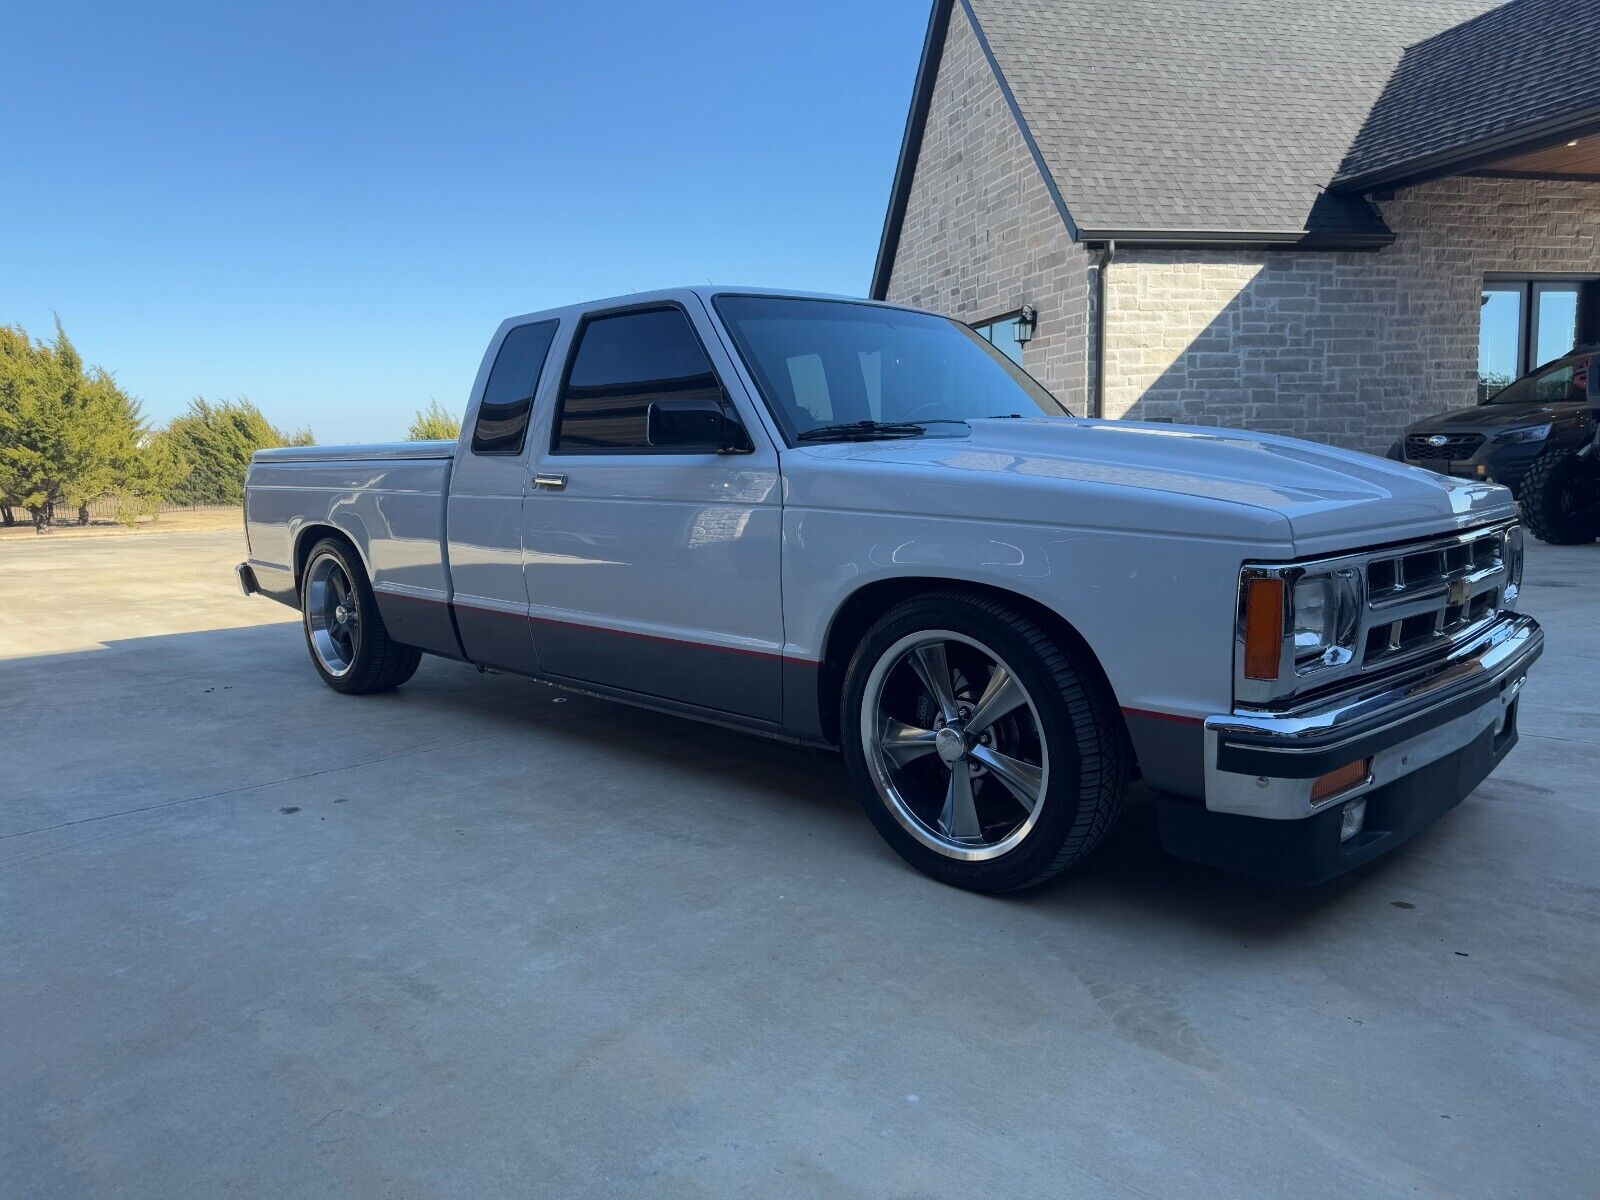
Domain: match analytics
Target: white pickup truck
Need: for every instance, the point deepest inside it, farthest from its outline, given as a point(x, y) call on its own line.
point(862, 527)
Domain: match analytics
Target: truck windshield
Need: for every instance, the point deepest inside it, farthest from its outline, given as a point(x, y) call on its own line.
point(837, 362)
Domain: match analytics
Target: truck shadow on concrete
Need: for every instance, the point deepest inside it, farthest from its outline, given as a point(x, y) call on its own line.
point(257, 699)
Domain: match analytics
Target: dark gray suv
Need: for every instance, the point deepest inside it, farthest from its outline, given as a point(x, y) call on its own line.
point(1529, 436)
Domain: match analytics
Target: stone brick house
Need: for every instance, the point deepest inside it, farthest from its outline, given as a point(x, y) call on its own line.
point(1322, 219)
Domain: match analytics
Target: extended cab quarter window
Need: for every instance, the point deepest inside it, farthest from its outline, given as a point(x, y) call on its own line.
point(622, 365)
point(508, 396)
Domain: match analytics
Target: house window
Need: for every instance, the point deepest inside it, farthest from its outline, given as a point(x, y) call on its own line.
point(1525, 323)
point(1001, 333)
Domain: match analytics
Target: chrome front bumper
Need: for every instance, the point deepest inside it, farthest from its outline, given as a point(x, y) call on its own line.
point(1264, 764)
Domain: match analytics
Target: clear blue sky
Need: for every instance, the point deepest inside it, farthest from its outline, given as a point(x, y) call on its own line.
point(328, 208)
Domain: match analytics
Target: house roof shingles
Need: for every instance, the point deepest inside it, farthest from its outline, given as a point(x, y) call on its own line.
point(1494, 81)
point(1229, 117)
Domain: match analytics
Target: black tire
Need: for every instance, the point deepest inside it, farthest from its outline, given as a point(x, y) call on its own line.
point(376, 662)
point(1560, 498)
point(1077, 720)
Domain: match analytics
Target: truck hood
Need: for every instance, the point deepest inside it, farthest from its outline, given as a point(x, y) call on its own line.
point(1491, 418)
point(1203, 480)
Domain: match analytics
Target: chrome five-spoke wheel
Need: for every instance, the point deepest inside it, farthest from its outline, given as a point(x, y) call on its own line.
point(349, 642)
point(984, 744)
point(954, 745)
point(333, 616)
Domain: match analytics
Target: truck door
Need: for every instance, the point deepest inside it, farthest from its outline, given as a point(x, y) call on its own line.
point(487, 483)
point(652, 562)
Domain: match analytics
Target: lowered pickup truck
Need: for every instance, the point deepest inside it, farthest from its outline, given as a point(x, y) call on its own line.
point(862, 527)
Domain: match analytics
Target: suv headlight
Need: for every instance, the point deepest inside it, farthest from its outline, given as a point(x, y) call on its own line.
point(1536, 433)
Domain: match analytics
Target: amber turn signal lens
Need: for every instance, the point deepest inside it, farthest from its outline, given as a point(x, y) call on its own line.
point(1263, 628)
point(1341, 779)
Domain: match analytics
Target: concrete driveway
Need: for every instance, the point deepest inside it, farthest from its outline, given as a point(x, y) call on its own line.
point(474, 938)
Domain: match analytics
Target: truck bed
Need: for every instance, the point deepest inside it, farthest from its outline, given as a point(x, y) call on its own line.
point(387, 499)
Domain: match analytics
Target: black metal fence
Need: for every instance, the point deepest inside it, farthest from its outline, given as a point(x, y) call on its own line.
point(109, 509)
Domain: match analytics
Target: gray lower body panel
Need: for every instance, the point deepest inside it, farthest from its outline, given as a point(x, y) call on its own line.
point(421, 622)
point(736, 682)
point(1171, 751)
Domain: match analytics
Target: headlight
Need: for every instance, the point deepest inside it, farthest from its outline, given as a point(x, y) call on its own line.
point(1323, 623)
point(1294, 623)
point(1537, 433)
point(1313, 616)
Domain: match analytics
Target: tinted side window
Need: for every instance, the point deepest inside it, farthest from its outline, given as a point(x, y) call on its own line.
point(622, 364)
point(508, 396)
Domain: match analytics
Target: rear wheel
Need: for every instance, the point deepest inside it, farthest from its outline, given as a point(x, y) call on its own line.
point(349, 644)
point(987, 753)
point(1560, 498)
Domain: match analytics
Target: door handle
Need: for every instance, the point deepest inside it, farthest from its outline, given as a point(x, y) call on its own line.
point(554, 482)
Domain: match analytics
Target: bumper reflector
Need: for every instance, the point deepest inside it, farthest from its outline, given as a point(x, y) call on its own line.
point(1351, 820)
point(1341, 779)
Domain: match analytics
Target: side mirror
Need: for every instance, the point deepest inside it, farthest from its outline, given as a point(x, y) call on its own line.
point(704, 424)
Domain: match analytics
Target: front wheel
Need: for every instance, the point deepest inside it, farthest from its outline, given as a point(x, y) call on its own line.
point(349, 643)
point(986, 751)
point(1560, 498)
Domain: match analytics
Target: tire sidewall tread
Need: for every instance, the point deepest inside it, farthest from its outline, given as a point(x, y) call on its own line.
point(381, 663)
point(1537, 497)
point(1089, 759)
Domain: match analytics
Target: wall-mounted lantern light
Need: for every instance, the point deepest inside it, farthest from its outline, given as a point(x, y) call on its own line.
point(1027, 322)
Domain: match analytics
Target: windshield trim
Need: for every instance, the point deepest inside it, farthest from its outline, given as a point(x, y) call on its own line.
point(780, 417)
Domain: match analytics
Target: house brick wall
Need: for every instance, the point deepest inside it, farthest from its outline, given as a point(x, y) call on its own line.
point(1343, 347)
point(982, 237)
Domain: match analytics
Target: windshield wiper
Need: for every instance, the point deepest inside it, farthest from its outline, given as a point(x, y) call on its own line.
point(860, 431)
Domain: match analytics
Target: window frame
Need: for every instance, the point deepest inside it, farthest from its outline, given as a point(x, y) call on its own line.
point(1013, 316)
point(575, 344)
point(1527, 288)
point(533, 394)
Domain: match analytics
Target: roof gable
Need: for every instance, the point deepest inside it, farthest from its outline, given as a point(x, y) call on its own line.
point(1227, 117)
point(1514, 77)
point(1262, 122)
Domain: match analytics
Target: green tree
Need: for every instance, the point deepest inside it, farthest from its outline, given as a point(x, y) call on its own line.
point(68, 435)
point(208, 447)
point(155, 473)
point(434, 423)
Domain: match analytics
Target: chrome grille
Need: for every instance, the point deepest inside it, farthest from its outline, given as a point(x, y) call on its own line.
point(1454, 445)
point(1423, 598)
point(1415, 602)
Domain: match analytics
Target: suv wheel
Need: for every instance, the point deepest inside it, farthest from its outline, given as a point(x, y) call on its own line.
point(1560, 498)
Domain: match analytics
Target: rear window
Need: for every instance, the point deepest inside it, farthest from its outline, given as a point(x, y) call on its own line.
point(508, 396)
